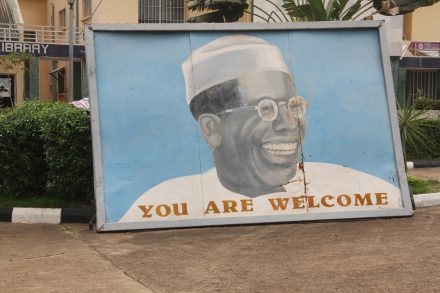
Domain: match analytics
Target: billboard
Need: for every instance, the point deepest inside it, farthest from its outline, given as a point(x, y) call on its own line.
point(197, 125)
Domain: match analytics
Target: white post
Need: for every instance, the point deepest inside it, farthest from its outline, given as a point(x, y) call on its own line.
point(70, 85)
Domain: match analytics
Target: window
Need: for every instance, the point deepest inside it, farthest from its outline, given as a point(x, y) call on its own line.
point(87, 8)
point(29, 36)
point(9, 32)
point(62, 18)
point(423, 83)
point(7, 94)
point(161, 11)
point(61, 81)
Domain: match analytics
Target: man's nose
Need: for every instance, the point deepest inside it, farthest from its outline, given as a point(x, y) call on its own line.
point(284, 121)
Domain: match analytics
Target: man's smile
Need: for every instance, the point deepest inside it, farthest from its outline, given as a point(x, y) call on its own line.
point(281, 149)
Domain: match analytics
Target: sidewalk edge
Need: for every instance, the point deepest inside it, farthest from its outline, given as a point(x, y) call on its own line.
point(423, 164)
point(47, 216)
point(427, 199)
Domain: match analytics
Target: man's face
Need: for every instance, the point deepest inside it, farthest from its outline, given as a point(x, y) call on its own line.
point(256, 155)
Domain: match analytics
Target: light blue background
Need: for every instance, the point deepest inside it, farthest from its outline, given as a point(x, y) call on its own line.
point(148, 134)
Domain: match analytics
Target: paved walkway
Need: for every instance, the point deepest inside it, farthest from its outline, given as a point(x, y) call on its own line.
point(377, 255)
point(52, 258)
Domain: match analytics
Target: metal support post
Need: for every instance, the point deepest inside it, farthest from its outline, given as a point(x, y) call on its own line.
point(70, 86)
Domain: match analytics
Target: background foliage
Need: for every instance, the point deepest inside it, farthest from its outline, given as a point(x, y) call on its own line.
point(433, 153)
point(220, 10)
point(45, 149)
point(23, 171)
point(65, 132)
point(415, 131)
point(427, 104)
point(318, 10)
point(14, 61)
point(303, 10)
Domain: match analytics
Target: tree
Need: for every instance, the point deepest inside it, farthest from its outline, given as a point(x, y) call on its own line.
point(220, 10)
point(318, 10)
point(397, 7)
point(413, 124)
point(14, 61)
point(303, 10)
point(297, 10)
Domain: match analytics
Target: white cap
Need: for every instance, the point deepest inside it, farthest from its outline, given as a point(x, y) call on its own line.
point(228, 58)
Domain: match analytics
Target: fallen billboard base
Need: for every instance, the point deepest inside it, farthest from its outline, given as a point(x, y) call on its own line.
point(197, 125)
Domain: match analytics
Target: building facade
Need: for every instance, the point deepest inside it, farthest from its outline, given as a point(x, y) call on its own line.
point(45, 23)
point(34, 42)
point(419, 73)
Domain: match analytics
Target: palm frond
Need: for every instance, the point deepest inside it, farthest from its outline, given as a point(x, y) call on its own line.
point(319, 10)
point(413, 124)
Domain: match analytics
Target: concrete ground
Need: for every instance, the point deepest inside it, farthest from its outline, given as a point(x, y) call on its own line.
point(376, 255)
point(52, 258)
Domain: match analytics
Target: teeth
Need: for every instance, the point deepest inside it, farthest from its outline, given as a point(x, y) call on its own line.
point(280, 148)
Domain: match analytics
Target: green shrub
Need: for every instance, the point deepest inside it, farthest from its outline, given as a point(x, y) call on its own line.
point(420, 186)
point(45, 149)
point(434, 153)
point(23, 170)
point(427, 104)
point(68, 152)
point(413, 180)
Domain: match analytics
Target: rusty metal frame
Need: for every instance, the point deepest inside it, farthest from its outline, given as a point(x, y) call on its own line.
point(97, 154)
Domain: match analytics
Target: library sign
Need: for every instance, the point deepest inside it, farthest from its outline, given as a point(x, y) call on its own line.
point(41, 49)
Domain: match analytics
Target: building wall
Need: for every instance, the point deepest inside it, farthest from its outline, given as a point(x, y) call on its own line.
point(57, 5)
point(45, 84)
point(113, 11)
point(47, 13)
point(424, 24)
point(53, 18)
point(40, 12)
point(109, 11)
point(19, 87)
point(407, 22)
point(33, 11)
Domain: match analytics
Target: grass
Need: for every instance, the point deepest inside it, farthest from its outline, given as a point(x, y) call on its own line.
point(38, 202)
point(420, 186)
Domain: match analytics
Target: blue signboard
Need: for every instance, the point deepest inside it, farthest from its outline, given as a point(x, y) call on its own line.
point(197, 125)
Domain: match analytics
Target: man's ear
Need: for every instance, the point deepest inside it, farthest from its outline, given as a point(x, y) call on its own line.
point(209, 126)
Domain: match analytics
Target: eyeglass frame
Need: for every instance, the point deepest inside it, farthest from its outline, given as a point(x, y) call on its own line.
point(257, 107)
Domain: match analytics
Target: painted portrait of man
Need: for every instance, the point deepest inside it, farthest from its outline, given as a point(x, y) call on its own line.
point(250, 117)
point(243, 97)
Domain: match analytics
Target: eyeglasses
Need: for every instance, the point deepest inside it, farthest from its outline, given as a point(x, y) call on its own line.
point(268, 109)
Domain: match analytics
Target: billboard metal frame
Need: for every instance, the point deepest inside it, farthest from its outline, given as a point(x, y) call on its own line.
point(330, 25)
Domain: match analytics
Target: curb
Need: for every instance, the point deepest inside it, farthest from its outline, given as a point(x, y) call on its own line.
point(45, 216)
point(427, 200)
point(412, 165)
